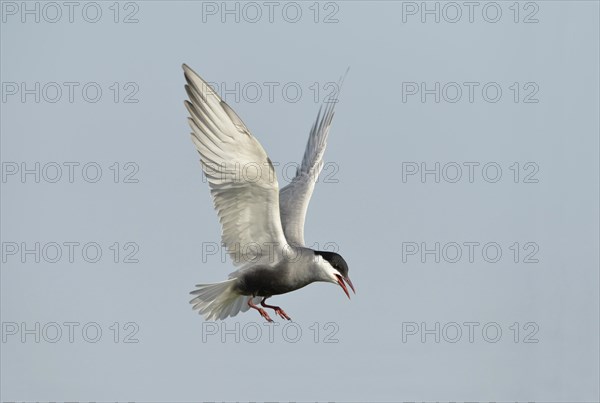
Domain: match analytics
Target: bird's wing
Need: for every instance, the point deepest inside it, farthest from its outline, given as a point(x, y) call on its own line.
point(242, 179)
point(295, 197)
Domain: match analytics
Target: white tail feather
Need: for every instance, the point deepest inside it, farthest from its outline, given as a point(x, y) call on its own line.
point(219, 300)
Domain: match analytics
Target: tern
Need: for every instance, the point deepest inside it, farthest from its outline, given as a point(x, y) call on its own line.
point(262, 226)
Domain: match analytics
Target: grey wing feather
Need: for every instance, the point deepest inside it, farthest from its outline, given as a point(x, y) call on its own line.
point(295, 197)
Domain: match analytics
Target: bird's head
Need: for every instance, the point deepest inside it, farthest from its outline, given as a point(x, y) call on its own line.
point(335, 270)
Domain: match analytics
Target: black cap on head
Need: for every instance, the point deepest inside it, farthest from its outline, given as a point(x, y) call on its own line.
point(336, 261)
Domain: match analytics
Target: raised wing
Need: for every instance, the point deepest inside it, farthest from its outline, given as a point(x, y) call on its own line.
point(295, 197)
point(241, 176)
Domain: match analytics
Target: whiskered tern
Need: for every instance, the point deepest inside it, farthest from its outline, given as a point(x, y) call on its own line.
point(262, 226)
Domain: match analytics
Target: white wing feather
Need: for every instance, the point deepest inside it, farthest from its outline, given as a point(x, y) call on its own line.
point(295, 197)
point(242, 180)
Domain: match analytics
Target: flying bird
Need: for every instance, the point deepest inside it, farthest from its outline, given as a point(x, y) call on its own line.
point(262, 226)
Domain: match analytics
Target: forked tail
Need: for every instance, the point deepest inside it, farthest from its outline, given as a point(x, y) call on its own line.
point(218, 300)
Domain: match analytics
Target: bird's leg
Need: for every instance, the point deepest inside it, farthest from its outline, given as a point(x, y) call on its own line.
point(277, 309)
point(262, 312)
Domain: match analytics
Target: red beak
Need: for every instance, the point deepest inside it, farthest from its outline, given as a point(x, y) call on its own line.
point(350, 284)
point(343, 285)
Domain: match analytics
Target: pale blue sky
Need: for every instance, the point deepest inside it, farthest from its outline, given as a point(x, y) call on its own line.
point(374, 218)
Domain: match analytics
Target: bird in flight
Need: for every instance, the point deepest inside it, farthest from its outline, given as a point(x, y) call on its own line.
point(262, 226)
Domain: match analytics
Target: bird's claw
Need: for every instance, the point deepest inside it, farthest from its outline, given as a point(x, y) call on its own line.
point(265, 315)
point(278, 310)
point(282, 313)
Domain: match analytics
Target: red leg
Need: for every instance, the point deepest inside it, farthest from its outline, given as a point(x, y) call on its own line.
point(277, 309)
point(262, 312)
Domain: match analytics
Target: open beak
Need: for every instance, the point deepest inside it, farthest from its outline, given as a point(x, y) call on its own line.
point(341, 280)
